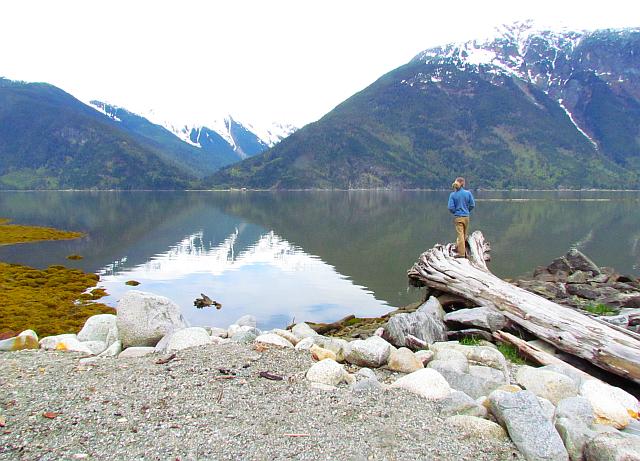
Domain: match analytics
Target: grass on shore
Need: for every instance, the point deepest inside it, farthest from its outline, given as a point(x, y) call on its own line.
point(50, 301)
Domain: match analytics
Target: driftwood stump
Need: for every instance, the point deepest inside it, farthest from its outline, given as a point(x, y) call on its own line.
point(565, 328)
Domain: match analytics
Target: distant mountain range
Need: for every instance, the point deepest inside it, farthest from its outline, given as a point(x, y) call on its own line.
point(51, 140)
point(527, 109)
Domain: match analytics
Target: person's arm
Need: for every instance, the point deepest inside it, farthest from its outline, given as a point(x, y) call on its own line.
point(472, 202)
point(451, 205)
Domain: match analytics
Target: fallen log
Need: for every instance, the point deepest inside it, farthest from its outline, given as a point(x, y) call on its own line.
point(565, 328)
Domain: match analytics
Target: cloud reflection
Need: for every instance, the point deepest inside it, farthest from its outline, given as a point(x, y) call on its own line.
point(271, 279)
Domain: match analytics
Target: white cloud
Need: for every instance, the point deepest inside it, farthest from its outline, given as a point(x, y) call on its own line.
point(288, 60)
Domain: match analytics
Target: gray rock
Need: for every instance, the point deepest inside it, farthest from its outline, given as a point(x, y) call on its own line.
point(546, 383)
point(583, 291)
point(286, 334)
point(96, 347)
point(136, 351)
point(579, 277)
point(27, 339)
point(367, 373)
point(245, 336)
point(459, 403)
point(547, 408)
point(488, 374)
point(487, 356)
point(575, 408)
point(335, 345)
point(183, 339)
point(445, 366)
point(247, 321)
point(274, 339)
point(426, 383)
point(424, 356)
point(215, 331)
point(302, 330)
point(451, 355)
point(478, 317)
point(612, 447)
point(328, 372)
point(579, 262)
point(574, 434)
point(474, 386)
point(367, 385)
point(633, 428)
point(144, 318)
point(533, 434)
point(372, 352)
point(475, 427)
point(404, 361)
point(570, 372)
point(113, 350)
point(66, 343)
point(305, 344)
point(426, 324)
point(100, 327)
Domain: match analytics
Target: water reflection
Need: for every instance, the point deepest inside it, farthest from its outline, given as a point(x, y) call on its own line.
point(351, 249)
point(271, 279)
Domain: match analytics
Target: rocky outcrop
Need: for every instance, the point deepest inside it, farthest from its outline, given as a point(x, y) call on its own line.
point(426, 324)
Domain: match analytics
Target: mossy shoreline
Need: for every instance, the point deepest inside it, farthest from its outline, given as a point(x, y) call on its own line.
point(50, 301)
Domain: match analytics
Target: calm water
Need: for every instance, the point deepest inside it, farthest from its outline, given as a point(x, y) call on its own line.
point(307, 255)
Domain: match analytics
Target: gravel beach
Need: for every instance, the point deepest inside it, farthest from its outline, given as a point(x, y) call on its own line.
point(210, 402)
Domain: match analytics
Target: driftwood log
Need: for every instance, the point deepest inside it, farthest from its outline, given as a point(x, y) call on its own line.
point(564, 328)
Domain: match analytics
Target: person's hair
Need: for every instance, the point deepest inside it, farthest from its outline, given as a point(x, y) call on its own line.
point(460, 180)
point(458, 183)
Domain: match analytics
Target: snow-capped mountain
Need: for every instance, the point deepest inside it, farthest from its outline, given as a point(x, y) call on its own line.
point(527, 108)
point(224, 132)
point(552, 61)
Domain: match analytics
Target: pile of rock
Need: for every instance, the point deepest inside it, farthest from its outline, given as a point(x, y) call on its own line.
point(550, 413)
point(576, 281)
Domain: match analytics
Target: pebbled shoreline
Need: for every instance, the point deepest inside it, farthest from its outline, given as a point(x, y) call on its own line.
point(189, 408)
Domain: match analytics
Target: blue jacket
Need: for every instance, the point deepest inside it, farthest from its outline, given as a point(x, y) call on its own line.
point(461, 202)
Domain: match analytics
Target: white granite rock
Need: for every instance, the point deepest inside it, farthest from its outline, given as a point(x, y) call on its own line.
point(426, 383)
point(100, 327)
point(475, 427)
point(27, 339)
point(478, 317)
point(424, 356)
point(305, 344)
point(272, 338)
point(247, 321)
point(144, 318)
point(302, 330)
point(217, 332)
point(113, 350)
point(96, 347)
point(320, 353)
point(183, 339)
point(286, 334)
point(607, 409)
point(372, 352)
point(66, 343)
point(546, 384)
point(136, 351)
point(328, 372)
point(404, 361)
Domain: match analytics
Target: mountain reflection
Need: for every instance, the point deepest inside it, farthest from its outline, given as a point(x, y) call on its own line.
point(270, 278)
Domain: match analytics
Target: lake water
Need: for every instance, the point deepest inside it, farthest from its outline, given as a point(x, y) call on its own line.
point(307, 255)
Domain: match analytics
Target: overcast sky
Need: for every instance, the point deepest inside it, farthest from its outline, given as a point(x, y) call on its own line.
point(265, 60)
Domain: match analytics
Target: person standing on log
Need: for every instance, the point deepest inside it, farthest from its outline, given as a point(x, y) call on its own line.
point(461, 203)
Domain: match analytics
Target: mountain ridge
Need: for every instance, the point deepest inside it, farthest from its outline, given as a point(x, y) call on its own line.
point(524, 110)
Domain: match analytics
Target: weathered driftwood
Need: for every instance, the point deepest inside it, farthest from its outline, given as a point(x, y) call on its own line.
point(324, 328)
point(565, 328)
point(533, 353)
